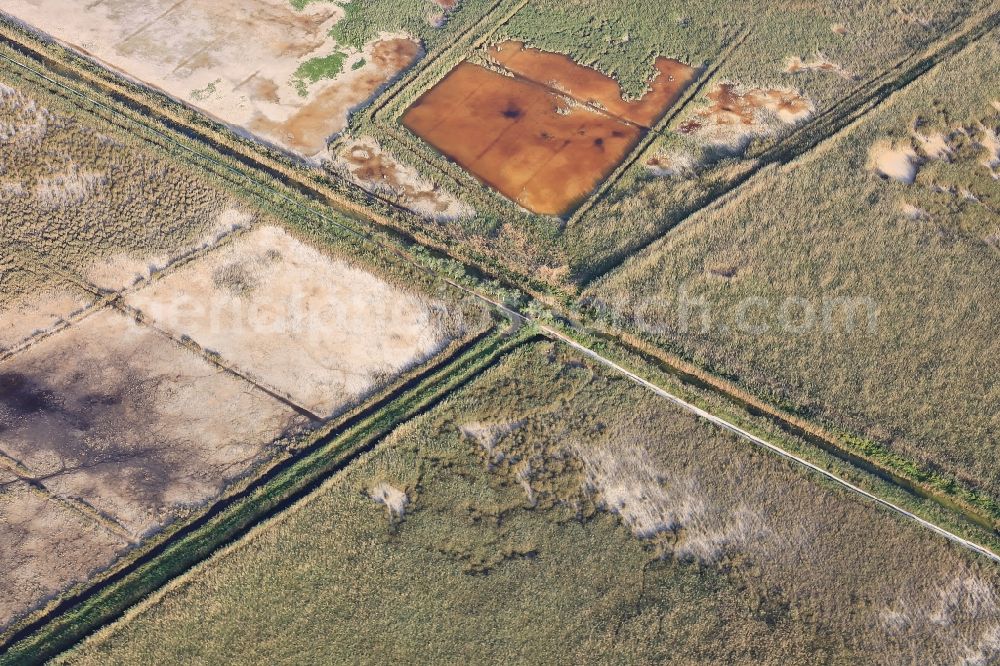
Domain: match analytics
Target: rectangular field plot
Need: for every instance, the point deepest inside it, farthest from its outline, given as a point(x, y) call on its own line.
point(546, 137)
point(120, 417)
point(314, 328)
point(45, 547)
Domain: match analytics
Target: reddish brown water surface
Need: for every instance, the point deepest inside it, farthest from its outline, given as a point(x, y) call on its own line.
point(592, 87)
point(539, 148)
point(547, 135)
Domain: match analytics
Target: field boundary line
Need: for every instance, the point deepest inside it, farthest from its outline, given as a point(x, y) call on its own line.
point(84, 509)
point(218, 362)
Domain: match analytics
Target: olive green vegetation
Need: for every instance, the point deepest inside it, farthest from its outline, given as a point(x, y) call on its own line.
point(914, 389)
point(505, 550)
point(623, 40)
point(365, 19)
point(318, 69)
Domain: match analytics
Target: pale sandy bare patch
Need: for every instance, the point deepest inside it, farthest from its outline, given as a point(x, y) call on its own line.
point(365, 162)
point(314, 328)
point(912, 212)
point(45, 547)
point(67, 188)
point(990, 141)
point(674, 163)
point(962, 614)
point(122, 270)
point(934, 145)
point(487, 434)
point(654, 505)
point(394, 499)
point(119, 416)
point(235, 60)
point(23, 119)
point(795, 65)
point(898, 162)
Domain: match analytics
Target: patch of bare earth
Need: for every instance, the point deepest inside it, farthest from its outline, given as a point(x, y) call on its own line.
point(733, 118)
point(898, 162)
point(45, 547)
point(795, 65)
point(311, 327)
point(394, 499)
point(364, 162)
point(234, 60)
point(661, 508)
point(114, 414)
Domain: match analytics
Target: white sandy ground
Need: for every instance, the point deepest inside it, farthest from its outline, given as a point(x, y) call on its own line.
point(901, 162)
point(233, 59)
point(44, 548)
point(898, 162)
point(627, 482)
point(123, 270)
point(115, 414)
point(312, 327)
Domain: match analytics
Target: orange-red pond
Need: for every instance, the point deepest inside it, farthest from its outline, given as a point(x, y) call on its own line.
point(544, 144)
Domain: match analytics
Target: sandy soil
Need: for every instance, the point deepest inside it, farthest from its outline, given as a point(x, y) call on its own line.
point(113, 413)
point(394, 499)
point(895, 162)
point(45, 547)
point(314, 328)
point(369, 166)
point(235, 60)
point(933, 145)
point(120, 271)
